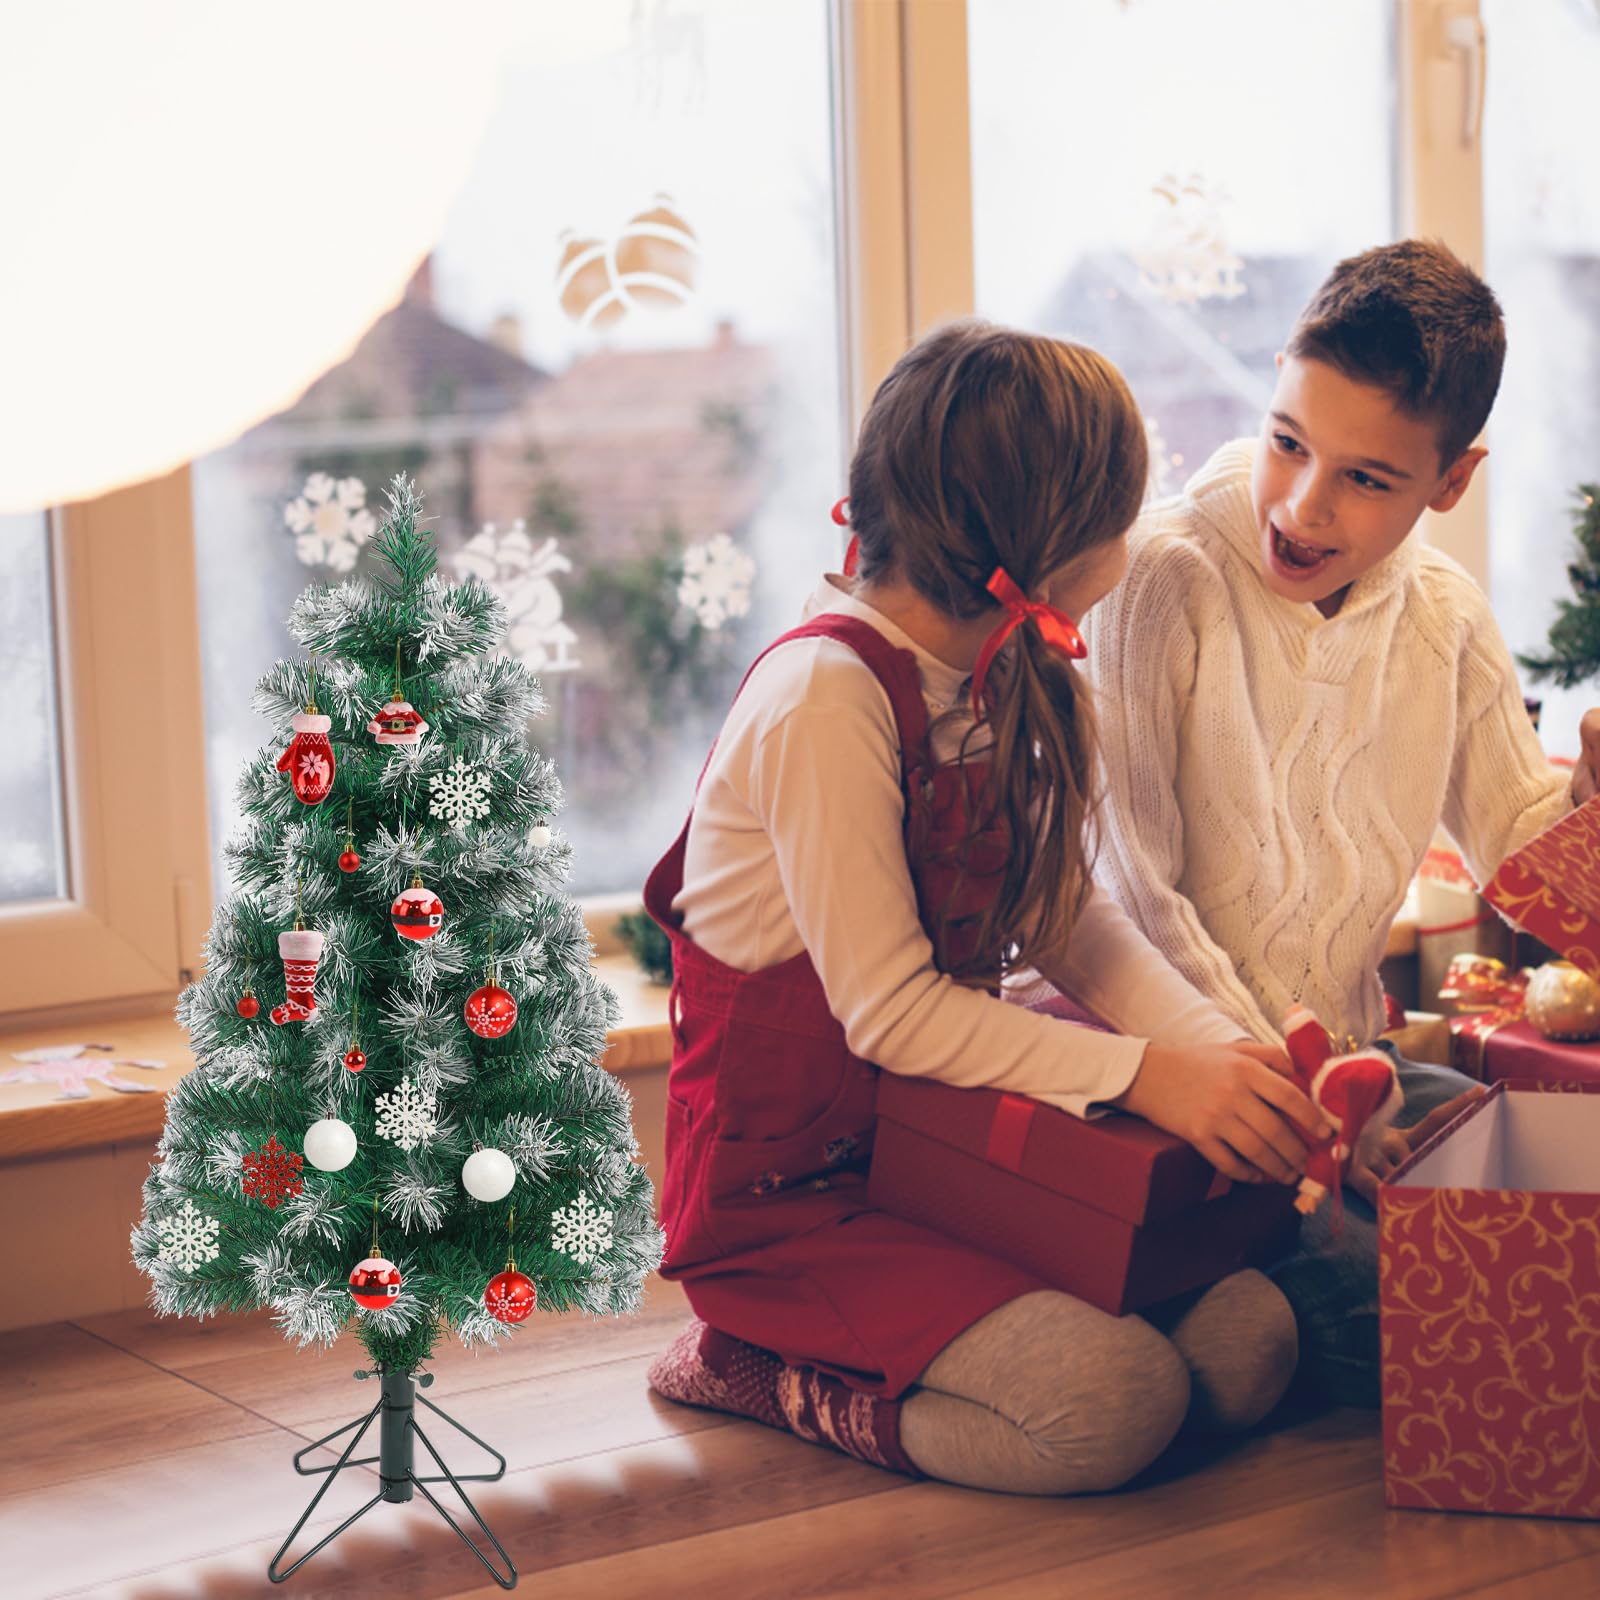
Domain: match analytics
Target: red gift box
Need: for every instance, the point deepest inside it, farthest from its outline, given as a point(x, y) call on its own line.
point(1112, 1210)
point(1551, 887)
point(1492, 1051)
point(1489, 1289)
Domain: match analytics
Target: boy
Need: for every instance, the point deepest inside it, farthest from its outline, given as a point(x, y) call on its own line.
point(1294, 693)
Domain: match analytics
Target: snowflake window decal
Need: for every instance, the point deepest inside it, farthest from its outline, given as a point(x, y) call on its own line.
point(581, 1230)
point(716, 581)
point(460, 795)
point(406, 1115)
point(188, 1238)
point(330, 521)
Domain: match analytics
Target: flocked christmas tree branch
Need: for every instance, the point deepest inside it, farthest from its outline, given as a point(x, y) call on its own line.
point(381, 1079)
point(1574, 654)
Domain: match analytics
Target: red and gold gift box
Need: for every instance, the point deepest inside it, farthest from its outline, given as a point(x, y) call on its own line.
point(1551, 887)
point(1489, 1292)
point(1112, 1210)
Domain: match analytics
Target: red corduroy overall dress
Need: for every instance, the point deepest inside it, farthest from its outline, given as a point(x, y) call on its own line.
point(770, 1117)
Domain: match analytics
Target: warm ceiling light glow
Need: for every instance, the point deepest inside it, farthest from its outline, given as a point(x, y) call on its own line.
point(206, 205)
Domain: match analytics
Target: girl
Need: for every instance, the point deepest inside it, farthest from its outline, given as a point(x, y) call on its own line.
point(845, 897)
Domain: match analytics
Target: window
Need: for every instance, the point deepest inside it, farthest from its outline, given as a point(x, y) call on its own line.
point(32, 845)
point(616, 381)
point(1542, 237)
point(1147, 178)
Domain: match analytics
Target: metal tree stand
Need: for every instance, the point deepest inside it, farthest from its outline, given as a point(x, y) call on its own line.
point(397, 1475)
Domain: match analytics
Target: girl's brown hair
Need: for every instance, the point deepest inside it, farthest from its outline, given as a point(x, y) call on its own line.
point(986, 448)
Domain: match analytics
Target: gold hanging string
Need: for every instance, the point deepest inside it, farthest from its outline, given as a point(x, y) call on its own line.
point(399, 685)
point(355, 1023)
point(511, 1253)
point(299, 886)
point(311, 688)
point(374, 1224)
point(349, 824)
point(491, 951)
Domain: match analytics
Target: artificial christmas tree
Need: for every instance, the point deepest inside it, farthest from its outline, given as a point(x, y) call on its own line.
point(1574, 654)
point(234, 1218)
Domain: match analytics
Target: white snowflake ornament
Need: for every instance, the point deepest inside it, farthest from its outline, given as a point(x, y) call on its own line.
point(460, 795)
point(188, 1238)
point(1187, 258)
point(581, 1230)
point(716, 580)
point(406, 1115)
point(330, 521)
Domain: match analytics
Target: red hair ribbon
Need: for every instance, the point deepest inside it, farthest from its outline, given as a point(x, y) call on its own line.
point(1056, 628)
point(852, 555)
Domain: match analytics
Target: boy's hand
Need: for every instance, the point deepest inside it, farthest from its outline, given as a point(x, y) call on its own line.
point(1373, 1163)
point(1232, 1103)
point(1586, 775)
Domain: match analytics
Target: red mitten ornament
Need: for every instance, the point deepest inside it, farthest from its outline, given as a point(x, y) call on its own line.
point(301, 949)
point(309, 758)
point(1359, 1093)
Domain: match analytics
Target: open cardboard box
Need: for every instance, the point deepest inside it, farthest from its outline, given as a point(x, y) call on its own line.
point(1489, 1273)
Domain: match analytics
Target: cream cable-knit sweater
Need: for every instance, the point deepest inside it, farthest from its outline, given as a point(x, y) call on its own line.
point(796, 844)
point(1275, 776)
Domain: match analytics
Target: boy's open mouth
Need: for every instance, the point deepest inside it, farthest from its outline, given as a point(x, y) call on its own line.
point(1299, 559)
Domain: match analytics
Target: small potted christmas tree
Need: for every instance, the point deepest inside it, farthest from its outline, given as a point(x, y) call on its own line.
point(397, 1119)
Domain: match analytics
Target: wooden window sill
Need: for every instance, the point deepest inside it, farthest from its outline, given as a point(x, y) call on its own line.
point(33, 1122)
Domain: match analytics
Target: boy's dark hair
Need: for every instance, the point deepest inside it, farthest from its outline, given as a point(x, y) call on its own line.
point(1413, 319)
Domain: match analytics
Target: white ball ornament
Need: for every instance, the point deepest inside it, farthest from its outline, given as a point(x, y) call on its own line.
point(539, 835)
point(330, 1144)
point(488, 1174)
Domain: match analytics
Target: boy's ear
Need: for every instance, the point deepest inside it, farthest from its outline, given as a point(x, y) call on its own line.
point(1454, 483)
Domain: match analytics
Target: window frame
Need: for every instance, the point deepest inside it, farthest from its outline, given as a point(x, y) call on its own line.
point(128, 933)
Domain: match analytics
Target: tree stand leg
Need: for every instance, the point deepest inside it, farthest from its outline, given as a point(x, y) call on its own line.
point(397, 1474)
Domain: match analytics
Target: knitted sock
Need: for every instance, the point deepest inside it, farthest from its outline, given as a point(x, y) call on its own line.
point(703, 1367)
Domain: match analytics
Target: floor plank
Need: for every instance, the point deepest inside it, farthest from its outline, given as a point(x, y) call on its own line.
point(71, 1404)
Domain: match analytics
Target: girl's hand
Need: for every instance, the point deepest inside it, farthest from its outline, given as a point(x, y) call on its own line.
point(1233, 1102)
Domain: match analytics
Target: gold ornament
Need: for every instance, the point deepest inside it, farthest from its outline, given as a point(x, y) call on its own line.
point(1564, 1002)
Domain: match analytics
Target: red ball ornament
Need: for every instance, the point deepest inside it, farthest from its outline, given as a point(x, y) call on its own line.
point(248, 1005)
point(491, 1012)
point(374, 1282)
point(354, 1059)
point(417, 913)
point(510, 1296)
point(349, 861)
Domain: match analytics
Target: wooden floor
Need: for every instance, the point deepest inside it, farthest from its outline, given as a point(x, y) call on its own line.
point(151, 1459)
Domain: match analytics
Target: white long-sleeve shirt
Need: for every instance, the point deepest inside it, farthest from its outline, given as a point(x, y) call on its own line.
point(1275, 776)
point(796, 843)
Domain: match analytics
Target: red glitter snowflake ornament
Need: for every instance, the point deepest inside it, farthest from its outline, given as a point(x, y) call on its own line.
point(272, 1174)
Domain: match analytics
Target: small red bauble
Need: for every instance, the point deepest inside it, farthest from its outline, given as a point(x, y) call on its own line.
point(510, 1296)
point(491, 1012)
point(349, 861)
point(417, 913)
point(248, 1005)
point(354, 1059)
point(374, 1282)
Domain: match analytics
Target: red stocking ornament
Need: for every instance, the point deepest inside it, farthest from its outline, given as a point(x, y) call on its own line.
point(301, 949)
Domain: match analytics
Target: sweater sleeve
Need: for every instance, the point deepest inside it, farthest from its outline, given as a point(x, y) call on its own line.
point(1109, 966)
point(826, 787)
point(1503, 788)
point(1143, 653)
